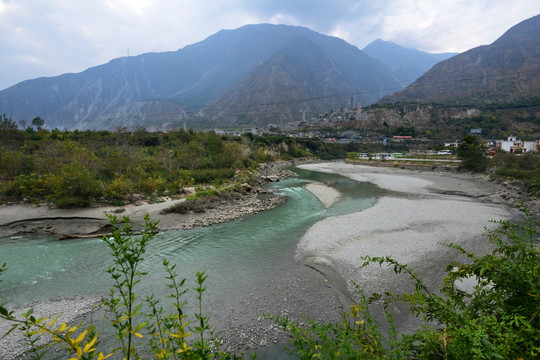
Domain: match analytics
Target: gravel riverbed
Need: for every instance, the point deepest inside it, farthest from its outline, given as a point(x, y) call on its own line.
point(421, 210)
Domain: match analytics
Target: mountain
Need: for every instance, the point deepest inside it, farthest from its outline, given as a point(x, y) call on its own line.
point(308, 76)
point(407, 64)
point(506, 71)
point(300, 78)
point(159, 90)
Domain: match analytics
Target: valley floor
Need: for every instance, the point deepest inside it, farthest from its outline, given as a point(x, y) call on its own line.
point(421, 211)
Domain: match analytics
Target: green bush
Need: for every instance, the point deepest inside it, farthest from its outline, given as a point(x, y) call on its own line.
point(118, 188)
point(75, 186)
point(29, 185)
point(525, 168)
point(208, 176)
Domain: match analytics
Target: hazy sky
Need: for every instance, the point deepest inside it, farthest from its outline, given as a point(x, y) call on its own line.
point(52, 37)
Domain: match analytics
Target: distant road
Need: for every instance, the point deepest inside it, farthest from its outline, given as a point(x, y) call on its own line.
point(426, 160)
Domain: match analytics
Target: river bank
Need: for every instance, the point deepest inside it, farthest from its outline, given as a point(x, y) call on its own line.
point(419, 210)
point(16, 219)
point(422, 212)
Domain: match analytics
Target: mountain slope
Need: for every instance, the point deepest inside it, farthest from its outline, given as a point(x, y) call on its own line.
point(78, 100)
point(407, 64)
point(173, 83)
point(299, 79)
point(508, 70)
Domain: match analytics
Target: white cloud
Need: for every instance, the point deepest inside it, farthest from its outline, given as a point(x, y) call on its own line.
point(341, 33)
point(137, 7)
point(281, 18)
point(70, 36)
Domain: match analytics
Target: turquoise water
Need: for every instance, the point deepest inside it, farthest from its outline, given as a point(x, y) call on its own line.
point(41, 267)
point(235, 255)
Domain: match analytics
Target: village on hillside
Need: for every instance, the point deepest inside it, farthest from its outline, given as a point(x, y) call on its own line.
point(356, 125)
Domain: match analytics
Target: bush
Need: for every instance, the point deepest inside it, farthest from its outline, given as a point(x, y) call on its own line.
point(75, 186)
point(118, 188)
point(526, 168)
point(208, 176)
point(472, 152)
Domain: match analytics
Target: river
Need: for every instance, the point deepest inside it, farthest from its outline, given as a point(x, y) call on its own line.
point(235, 255)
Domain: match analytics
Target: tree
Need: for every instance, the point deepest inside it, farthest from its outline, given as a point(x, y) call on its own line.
point(38, 122)
point(7, 123)
point(472, 152)
point(75, 186)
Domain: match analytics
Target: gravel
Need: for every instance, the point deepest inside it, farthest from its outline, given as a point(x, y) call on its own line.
point(412, 224)
point(71, 309)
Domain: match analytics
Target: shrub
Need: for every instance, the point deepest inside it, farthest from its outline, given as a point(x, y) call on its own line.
point(74, 186)
point(119, 187)
point(208, 176)
point(29, 185)
point(472, 152)
point(184, 207)
point(526, 168)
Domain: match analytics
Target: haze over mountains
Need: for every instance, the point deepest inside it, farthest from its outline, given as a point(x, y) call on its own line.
point(407, 64)
point(262, 74)
point(247, 68)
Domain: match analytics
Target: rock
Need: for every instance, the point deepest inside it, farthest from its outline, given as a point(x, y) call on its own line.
point(271, 178)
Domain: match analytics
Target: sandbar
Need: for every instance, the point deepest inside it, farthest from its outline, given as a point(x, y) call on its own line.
point(326, 194)
point(412, 223)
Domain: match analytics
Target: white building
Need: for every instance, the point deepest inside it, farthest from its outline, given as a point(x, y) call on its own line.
point(513, 145)
point(454, 144)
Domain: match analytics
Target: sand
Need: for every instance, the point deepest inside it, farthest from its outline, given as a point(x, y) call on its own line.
point(326, 194)
point(421, 213)
point(87, 222)
point(23, 218)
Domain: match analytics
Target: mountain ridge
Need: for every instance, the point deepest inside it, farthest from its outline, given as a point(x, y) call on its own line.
point(288, 78)
point(408, 64)
point(161, 90)
point(507, 70)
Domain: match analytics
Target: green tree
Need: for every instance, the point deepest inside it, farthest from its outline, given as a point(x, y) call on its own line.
point(472, 152)
point(38, 122)
point(75, 186)
point(7, 124)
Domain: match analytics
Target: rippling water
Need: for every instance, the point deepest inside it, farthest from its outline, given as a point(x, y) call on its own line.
point(234, 254)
